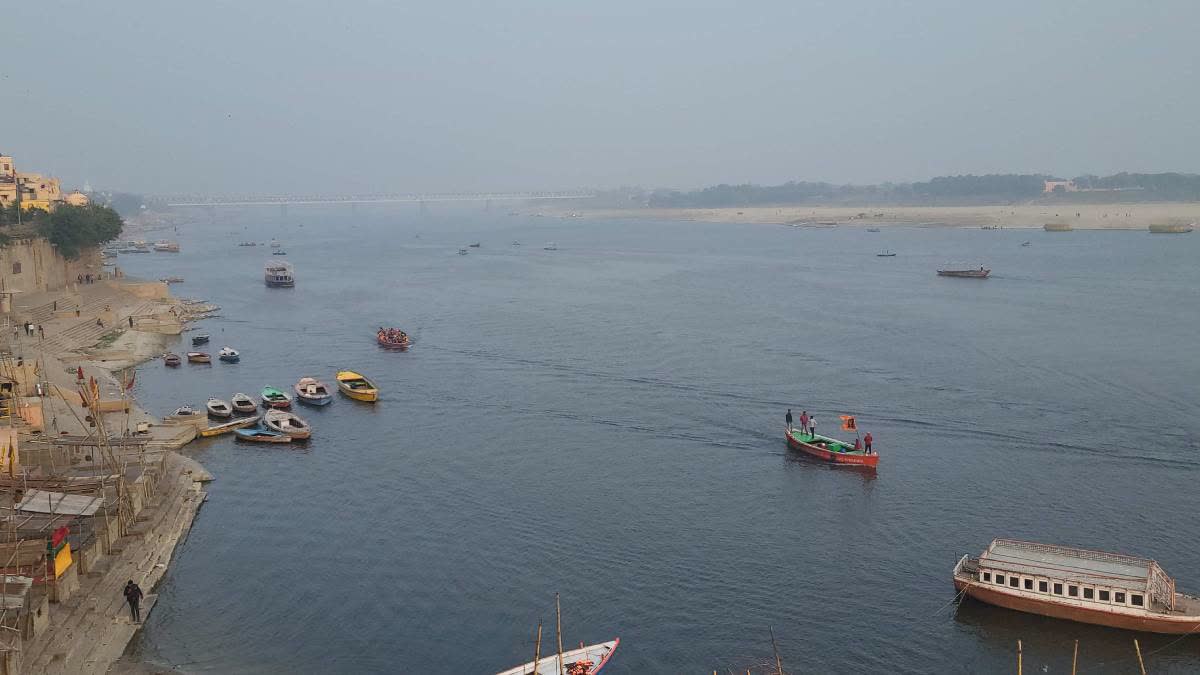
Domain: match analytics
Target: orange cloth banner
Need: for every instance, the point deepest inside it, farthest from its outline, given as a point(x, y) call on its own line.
point(848, 423)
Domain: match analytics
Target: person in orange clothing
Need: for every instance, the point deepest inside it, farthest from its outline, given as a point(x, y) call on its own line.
point(867, 440)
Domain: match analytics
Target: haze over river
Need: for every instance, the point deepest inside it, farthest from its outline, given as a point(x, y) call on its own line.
point(606, 421)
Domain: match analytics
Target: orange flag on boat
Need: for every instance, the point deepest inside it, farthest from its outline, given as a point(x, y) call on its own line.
point(848, 423)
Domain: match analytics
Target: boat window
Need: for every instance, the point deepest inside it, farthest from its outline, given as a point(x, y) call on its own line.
point(1073, 591)
point(1135, 599)
point(1119, 598)
point(987, 576)
point(1058, 589)
point(1000, 579)
point(1014, 582)
point(1044, 587)
point(1029, 584)
point(1088, 593)
point(1103, 595)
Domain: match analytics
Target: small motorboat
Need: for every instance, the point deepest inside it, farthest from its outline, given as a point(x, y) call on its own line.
point(184, 411)
point(172, 360)
point(243, 403)
point(550, 247)
point(275, 244)
point(980, 273)
point(312, 391)
point(475, 245)
point(462, 251)
point(275, 398)
point(1027, 243)
point(261, 435)
point(590, 660)
point(885, 254)
point(392, 338)
point(283, 422)
point(516, 243)
point(199, 357)
point(229, 355)
point(830, 449)
point(279, 252)
point(356, 386)
point(228, 427)
point(218, 408)
point(201, 339)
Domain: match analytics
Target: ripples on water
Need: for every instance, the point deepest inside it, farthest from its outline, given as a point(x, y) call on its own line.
point(605, 421)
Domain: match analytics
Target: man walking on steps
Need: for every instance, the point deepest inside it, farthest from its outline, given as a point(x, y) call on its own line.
point(133, 595)
point(788, 418)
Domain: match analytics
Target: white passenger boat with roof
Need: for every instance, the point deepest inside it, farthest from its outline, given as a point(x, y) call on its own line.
point(1107, 589)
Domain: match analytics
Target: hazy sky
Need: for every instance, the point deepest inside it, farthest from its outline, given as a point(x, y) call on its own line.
point(300, 96)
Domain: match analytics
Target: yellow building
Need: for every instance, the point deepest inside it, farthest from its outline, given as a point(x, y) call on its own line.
point(8, 180)
point(77, 198)
point(38, 191)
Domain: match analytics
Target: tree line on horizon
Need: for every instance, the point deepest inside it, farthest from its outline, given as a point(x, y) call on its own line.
point(990, 188)
point(70, 229)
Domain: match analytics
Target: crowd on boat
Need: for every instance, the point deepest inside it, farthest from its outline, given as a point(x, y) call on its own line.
point(391, 336)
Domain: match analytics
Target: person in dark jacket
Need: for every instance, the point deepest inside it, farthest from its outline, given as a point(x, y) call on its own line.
point(133, 595)
point(788, 419)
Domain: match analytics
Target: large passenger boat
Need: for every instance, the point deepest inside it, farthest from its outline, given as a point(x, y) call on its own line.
point(1106, 589)
point(830, 449)
point(279, 274)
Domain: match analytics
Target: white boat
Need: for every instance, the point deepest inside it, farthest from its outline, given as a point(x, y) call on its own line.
point(229, 355)
point(283, 422)
point(243, 403)
point(275, 244)
point(166, 246)
point(218, 408)
point(551, 246)
point(597, 655)
point(184, 411)
point(462, 251)
point(279, 275)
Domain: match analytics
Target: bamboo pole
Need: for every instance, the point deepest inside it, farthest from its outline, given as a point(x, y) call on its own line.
point(1141, 664)
point(558, 630)
point(537, 649)
point(775, 647)
point(1018, 657)
point(1075, 658)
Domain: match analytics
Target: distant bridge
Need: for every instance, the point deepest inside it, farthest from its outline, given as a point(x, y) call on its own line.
point(415, 198)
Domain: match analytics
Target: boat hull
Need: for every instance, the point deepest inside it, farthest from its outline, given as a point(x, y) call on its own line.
point(965, 274)
point(368, 395)
point(228, 427)
point(262, 436)
point(847, 458)
point(230, 359)
point(314, 400)
point(388, 344)
point(598, 655)
point(1171, 625)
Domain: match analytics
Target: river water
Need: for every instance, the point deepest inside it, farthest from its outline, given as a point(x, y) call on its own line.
point(605, 421)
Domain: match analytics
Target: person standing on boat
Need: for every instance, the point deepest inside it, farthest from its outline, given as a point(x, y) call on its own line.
point(788, 418)
point(812, 426)
point(803, 421)
point(867, 442)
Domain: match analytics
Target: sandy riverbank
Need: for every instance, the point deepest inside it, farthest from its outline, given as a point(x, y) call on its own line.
point(1079, 216)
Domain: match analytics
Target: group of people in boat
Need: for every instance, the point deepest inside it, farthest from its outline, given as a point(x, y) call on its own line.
point(394, 335)
point(808, 425)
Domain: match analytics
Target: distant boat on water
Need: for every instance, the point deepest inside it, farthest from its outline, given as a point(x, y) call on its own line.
point(980, 273)
point(1160, 228)
point(1057, 227)
point(550, 246)
point(462, 251)
point(475, 245)
point(279, 275)
point(885, 254)
point(1027, 243)
point(872, 229)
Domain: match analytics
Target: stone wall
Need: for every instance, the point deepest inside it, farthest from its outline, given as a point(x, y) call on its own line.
point(33, 266)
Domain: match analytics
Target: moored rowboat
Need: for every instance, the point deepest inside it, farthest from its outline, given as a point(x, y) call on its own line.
point(261, 435)
point(275, 398)
point(356, 386)
point(242, 403)
point(283, 422)
point(1106, 589)
point(172, 360)
point(198, 357)
point(229, 355)
point(229, 426)
point(312, 391)
point(830, 449)
point(218, 408)
point(597, 655)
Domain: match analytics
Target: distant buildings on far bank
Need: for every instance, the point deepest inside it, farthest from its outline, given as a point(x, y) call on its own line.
point(33, 190)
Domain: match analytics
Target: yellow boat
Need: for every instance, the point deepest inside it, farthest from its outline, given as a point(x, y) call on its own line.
point(240, 423)
point(356, 386)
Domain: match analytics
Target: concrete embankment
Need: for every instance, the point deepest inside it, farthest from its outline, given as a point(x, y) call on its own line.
point(125, 497)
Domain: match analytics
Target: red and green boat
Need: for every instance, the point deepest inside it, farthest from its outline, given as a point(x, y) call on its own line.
point(830, 449)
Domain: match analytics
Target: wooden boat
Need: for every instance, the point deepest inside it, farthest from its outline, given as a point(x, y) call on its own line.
point(275, 398)
point(242, 403)
point(261, 435)
point(1027, 243)
point(199, 357)
point(597, 655)
point(172, 360)
point(279, 275)
point(462, 251)
point(166, 246)
point(1057, 227)
point(279, 252)
point(830, 449)
point(184, 411)
point(218, 408)
point(356, 386)
point(229, 355)
point(228, 427)
point(872, 229)
point(885, 254)
point(474, 245)
point(283, 422)
point(980, 273)
point(550, 247)
point(392, 338)
point(200, 339)
point(312, 391)
point(1106, 589)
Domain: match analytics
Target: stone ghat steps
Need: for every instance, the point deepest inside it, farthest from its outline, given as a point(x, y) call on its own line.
point(89, 631)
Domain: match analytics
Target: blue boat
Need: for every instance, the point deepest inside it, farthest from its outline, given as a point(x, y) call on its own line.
point(312, 391)
point(229, 355)
point(261, 435)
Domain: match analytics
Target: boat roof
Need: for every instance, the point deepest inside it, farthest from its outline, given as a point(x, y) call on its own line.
point(1066, 562)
